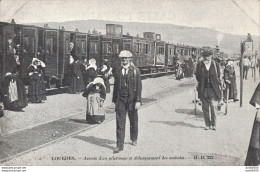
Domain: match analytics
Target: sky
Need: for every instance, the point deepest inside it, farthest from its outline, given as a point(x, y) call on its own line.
point(228, 16)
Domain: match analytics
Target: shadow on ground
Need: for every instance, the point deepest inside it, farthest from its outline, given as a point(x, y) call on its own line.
point(175, 124)
point(199, 113)
point(148, 100)
point(81, 121)
point(106, 143)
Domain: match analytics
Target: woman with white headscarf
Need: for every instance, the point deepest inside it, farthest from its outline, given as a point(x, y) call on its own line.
point(95, 93)
point(230, 81)
point(91, 71)
point(37, 89)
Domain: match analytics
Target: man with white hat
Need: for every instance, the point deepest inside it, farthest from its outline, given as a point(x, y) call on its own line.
point(127, 99)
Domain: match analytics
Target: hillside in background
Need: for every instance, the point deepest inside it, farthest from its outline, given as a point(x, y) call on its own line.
point(195, 36)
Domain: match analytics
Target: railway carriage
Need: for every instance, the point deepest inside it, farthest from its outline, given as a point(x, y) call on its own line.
point(150, 53)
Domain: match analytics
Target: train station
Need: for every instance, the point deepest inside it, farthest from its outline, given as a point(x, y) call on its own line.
point(75, 94)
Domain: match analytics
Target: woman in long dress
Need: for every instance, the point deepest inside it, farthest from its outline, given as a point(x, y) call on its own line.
point(230, 81)
point(15, 91)
point(95, 93)
point(253, 154)
point(37, 89)
point(76, 78)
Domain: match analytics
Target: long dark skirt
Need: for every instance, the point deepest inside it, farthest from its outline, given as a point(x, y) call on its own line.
point(232, 89)
point(76, 85)
point(37, 90)
point(253, 154)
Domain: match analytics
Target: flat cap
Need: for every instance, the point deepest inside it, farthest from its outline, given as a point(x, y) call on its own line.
point(125, 53)
point(206, 53)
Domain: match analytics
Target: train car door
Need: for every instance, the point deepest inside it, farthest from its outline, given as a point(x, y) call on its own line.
point(64, 53)
point(116, 48)
point(29, 46)
point(106, 45)
point(160, 55)
point(94, 49)
point(51, 45)
point(6, 46)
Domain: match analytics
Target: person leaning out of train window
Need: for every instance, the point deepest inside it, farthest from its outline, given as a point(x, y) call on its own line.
point(91, 71)
point(37, 89)
point(106, 74)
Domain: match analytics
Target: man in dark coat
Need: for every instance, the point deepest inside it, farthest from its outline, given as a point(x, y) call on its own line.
point(208, 76)
point(127, 99)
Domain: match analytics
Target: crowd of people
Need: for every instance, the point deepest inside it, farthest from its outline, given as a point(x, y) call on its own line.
point(13, 94)
point(185, 68)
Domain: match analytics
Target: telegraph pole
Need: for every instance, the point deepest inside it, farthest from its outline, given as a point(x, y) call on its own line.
point(241, 72)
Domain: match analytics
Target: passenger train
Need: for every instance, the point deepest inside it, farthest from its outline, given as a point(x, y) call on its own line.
point(150, 53)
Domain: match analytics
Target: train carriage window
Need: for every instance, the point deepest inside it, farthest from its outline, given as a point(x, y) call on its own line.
point(67, 43)
point(161, 50)
point(94, 47)
point(28, 44)
point(147, 48)
point(127, 46)
point(106, 48)
point(81, 46)
point(116, 48)
point(51, 45)
point(67, 47)
point(138, 47)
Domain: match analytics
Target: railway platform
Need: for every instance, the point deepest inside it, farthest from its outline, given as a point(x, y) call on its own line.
point(168, 125)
